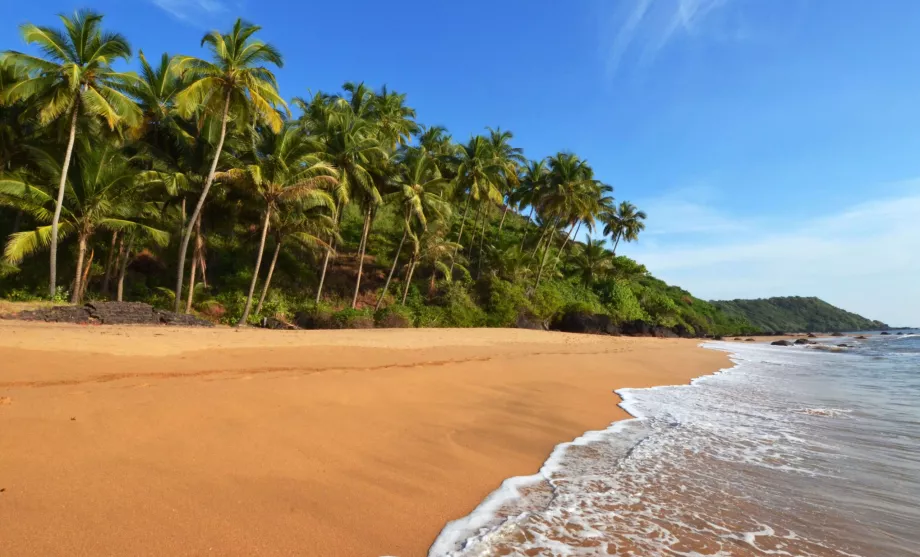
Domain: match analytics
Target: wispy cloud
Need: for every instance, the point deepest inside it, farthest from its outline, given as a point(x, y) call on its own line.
point(865, 258)
point(187, 10)
point(645, 27)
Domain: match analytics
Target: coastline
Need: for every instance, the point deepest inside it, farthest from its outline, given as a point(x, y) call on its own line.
point(270, 442)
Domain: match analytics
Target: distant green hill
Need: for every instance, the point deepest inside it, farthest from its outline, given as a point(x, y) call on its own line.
point(794, 314)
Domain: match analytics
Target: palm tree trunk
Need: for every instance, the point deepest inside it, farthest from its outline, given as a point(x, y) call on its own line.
point(60, 202)
point(86, 269)
point(616, 242)
point(386, 285)
point(475, 230)
point(187, 235)
point(527, 227)
point(81, 253)
point(536, 248)
point(329, 250)
point(549, 242)
point(196, 256)
point(482, 237)
point(255, 272)
point(567, 238)
point(124, 266)
point(361, 249)
point(412, 265)
point(466, 210)
point(502, 222)
point(110, 263)
point(268, 279)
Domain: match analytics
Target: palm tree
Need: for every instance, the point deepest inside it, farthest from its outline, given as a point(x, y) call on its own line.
point(625, 223)
point(419, 195)
point(431, 250)
point(73, 78)
point(567, 195)
point(533, 184)
point(307, 223)
point(478, 175)
point(156, 91)
point(236, 80)
point(592, 261)
point(102, 192)
point(285, 171)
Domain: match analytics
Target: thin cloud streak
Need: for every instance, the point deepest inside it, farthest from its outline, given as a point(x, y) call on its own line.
point(187, 9)
point(651, 25)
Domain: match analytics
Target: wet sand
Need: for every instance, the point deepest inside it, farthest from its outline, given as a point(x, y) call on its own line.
point(164, 441)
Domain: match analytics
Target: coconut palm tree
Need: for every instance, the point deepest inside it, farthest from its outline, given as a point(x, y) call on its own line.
point(567, 195)
point(592, 261)
point(285, 170)
point(418, 193)
point(307, 223)
point(235, 82)
point(102, 192)
point(72, 77)
point(478, 177)
point(532, 185)
point(624, 223)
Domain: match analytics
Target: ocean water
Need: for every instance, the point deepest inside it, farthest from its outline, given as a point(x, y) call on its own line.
point(793, 452)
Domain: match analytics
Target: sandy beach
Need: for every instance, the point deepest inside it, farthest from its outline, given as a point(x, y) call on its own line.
point(162, 441)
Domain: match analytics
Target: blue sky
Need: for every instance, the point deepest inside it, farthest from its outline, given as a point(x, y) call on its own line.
point(774, 144)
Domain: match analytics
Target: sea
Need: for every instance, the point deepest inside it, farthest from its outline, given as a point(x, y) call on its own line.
point(794, 451)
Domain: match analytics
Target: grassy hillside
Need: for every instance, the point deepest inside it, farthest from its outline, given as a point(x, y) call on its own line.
point(796, 314)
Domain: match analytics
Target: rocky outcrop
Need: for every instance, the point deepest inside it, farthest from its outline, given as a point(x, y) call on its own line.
point(781, 343)
point(586, 323)
point(113, 313)
point(801, 341)
point(885, 333)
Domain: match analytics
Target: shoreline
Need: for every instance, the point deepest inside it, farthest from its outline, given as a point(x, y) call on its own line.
point(259, 441)
point(469, 526)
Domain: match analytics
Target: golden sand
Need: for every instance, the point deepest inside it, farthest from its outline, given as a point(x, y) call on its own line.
point(165, 441)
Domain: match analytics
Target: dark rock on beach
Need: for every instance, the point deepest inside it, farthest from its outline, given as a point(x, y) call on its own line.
point(749, 340)
point(862, 337)
point(836, 334)
point(812, 335)
point(885, 333)
point(113, 313)
point(781, 343)
point(582, 322)
point(801, 341)
point(527, 320)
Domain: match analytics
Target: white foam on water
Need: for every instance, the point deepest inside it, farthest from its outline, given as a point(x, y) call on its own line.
point(681, 478)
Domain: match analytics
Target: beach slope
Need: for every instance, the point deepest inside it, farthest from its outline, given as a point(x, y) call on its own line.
point(164, 441)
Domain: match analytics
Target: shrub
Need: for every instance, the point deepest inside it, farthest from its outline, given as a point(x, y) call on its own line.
point(394, 317)
point(505, 302)
point(349, 318)
point(622, 303)
point(458, 308)
point(554, 297)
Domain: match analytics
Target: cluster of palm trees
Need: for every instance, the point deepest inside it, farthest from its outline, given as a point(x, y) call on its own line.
point(85, 148)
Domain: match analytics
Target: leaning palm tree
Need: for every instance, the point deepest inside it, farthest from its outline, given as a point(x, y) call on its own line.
point(236, 82)
point(73, 77)
point(479, 176)
point(285, 171)
point(308, 224)
point(102, 191)
point(418, 193)
point(532, 186)
point(624, 223)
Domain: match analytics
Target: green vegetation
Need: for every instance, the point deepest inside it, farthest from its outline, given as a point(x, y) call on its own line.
point(797, 315)
point(191, 185)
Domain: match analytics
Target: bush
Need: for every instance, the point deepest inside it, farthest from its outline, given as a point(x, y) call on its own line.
point(554, 297)
point(505, 302)
point(349, 318)
point(621, 302)
point(458, 308)
point(428, 316)
point(394, 317)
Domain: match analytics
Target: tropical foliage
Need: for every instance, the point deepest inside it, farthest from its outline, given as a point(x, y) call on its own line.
point(191, 171)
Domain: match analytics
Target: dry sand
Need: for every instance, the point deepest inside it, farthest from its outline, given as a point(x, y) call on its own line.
point(158, 441)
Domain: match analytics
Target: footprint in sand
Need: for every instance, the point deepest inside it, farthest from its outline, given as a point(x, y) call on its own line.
point(5, 401)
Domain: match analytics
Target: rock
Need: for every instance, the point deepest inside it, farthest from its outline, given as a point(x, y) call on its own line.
point(749, 340)
point(737, 338)
point(781, 343)
point(836, 334)
point(844, 345)
point(885, 333)
point(663, 332)
point(527, 320)
point(812, 335)
point(801, 341)
point(636, 328)
point(718, 337)
point(276, 324)
point(313, 320)
point(900, 333)
point(683, 332)
point(586, 323)
point(114, 313)
point(862, 337)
